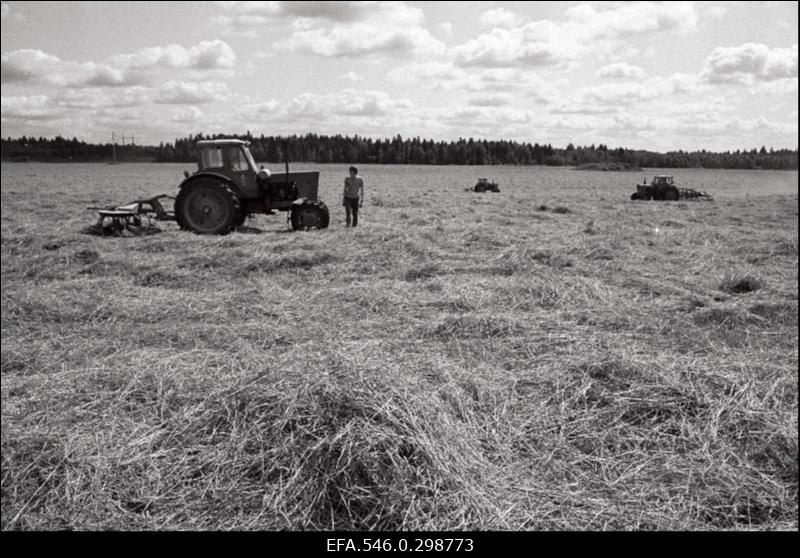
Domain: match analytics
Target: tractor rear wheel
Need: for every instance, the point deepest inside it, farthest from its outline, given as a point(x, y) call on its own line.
point(671, 194)
point(207, 208)
point(310, 215)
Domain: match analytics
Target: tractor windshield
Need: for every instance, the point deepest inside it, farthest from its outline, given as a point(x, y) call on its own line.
point(240, 159)
point(237, 159)
point(211, 158)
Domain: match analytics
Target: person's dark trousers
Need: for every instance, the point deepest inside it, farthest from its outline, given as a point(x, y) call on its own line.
point(352, 207)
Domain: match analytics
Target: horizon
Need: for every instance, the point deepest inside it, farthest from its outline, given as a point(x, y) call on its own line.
point(644, 76)
point(595, 145)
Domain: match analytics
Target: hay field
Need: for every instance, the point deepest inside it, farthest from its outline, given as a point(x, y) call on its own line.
point(553, 357)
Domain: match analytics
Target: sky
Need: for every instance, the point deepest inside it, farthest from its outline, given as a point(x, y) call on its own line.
point(642, 75)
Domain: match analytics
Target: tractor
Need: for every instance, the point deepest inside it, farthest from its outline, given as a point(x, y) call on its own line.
point(663, 188)
point(483, 185)
point(227, 187)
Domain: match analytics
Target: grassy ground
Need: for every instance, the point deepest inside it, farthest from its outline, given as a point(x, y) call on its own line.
point(492, 362)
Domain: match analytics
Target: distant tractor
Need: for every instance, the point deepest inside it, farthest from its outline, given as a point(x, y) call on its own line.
point(663, 188)
point(483, 185)
point(227, 187)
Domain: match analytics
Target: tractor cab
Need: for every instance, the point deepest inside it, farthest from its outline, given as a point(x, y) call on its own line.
point(663, 180)
point(224, 155)
point(231, 159)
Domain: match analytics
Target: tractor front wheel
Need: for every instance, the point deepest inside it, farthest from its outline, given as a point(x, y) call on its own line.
point(207, 208)
point(310, 215)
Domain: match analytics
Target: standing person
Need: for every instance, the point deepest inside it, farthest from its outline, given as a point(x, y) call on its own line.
point(353, 195)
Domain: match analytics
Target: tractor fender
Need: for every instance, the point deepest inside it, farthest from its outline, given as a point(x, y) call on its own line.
point(213, 175)
point(299, 201)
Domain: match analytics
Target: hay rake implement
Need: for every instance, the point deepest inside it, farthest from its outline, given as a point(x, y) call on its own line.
point(121, 220)
point(689, 194)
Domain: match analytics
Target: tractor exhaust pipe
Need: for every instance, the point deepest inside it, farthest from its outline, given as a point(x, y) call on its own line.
point(286, 159)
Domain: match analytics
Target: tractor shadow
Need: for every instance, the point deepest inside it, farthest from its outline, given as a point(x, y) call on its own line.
point(255, 230)
point(248, 230)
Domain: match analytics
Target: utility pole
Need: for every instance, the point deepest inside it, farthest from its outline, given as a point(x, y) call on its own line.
point(113, 149)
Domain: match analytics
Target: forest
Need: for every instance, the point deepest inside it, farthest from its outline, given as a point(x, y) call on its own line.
point(398, 151)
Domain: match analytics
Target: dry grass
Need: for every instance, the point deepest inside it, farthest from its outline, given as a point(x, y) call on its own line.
point(473, 363)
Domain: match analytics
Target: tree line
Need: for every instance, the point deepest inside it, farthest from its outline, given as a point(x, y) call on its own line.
point(399, 151)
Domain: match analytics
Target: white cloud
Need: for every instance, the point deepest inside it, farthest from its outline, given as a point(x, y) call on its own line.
point(687, 130)
point(683, 83)
point(92, 98)
point(446, 28)
point(491, 100)
point(782, 87)
point(738, 130)
point(36, 66)
point(363, 40)
point(249, 14)
point(426, 72)
point(515, 47)
point(499, 17)
point(447, 76)
point(190, 93)
point(621, 70)
point(481, 121)
point(580, 106)
point(352, 76)
point(103, 75)
point(72, 110)
point(348, 102)
point(586, 29)
point(750, 62)
point(206, 55)
point(264, 107)
point(618, 96)
point(27, 64)
point(615, 19)
point(336, 29)
point(511, 80)
point(188, 115)
point(33, 107)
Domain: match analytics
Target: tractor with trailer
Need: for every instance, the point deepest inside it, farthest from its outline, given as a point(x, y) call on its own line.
point(227, 187)
point(663, 188)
